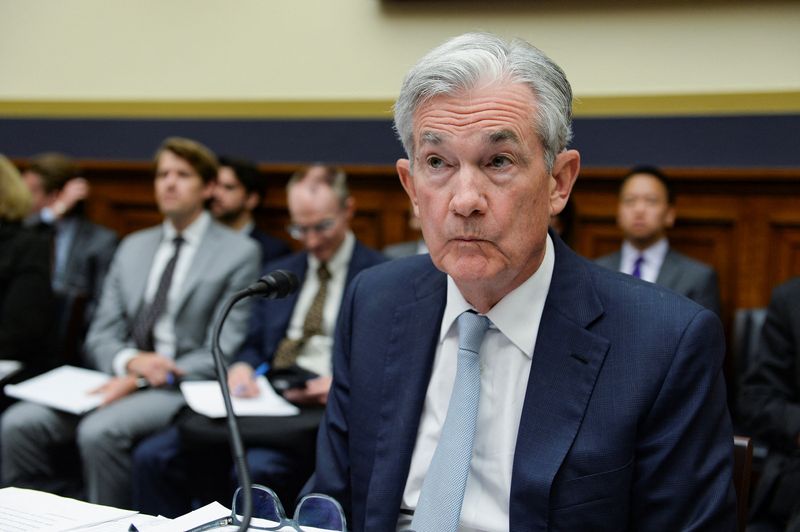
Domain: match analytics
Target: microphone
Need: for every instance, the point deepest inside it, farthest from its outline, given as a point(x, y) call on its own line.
point(274, 285)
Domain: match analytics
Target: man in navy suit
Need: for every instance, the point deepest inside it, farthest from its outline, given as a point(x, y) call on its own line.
point(239, 192)
point(600, 398)
point(280, 450)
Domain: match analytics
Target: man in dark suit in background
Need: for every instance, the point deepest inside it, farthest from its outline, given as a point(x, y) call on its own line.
point(646, 210)
point(502, 382)
point(281, 333)
point(82, 249)
point(770, 406)
point(238, 193)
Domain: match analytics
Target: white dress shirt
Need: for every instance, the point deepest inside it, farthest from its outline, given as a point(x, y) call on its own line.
point(164, 339)
point(653, 259)
point(315, 354)
point(505, 354)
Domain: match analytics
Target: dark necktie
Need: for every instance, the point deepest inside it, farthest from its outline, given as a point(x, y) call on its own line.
point(288, 350)
point(439, 506)
point(146, 319)
point(637, 267)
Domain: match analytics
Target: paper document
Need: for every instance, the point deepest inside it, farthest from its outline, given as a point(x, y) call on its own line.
point(205, 397)
point(22, 509)
point(212, 512)
point(66, 388)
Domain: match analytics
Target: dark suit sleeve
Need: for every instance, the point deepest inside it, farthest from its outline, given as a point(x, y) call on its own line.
point(770, 401)
point(252, 351)
point(684, 454)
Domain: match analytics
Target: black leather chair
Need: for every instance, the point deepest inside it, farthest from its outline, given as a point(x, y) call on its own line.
point(742, 469)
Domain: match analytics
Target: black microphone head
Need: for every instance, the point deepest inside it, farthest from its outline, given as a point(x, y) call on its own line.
point(277, 284)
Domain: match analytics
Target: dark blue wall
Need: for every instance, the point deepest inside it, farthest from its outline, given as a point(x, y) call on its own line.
point(719, 141)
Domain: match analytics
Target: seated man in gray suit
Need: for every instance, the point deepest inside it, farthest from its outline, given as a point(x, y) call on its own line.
point(295, 336)
point(153, 325)
point(646, 210)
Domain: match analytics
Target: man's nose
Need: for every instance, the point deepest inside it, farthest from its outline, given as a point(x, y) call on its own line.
point(468, 196)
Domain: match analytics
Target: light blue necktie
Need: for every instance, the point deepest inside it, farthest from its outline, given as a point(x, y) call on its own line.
point(439, 506)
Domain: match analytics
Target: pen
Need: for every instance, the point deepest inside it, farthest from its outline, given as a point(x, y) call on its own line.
point(262, 369)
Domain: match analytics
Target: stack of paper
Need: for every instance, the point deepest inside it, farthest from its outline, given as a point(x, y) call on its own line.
point(66, 388)
point(22, 509)
point(205, 397)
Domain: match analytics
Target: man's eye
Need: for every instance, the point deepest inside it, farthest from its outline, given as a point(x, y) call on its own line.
point(435, 162)
point(499, 161)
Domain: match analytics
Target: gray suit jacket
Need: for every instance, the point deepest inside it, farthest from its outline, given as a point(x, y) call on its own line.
point(225, 263)
point(401, 249)
point(681, 274)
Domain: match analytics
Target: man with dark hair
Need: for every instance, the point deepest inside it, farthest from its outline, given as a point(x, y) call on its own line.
point(646, 210)
point(82, 249)
point(153, 326)
point(295, 336)
point(502, 382)
point(239, 191)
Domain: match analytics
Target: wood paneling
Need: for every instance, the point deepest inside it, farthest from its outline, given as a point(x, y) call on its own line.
point(744, 222)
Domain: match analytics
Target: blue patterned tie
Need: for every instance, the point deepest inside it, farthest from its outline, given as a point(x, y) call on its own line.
point(439, 506)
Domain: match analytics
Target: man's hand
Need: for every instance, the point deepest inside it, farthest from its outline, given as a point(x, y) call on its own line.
point(74, 190)
point(157, 369)
point(314, 393)
point(116, 388)
point(241, 380)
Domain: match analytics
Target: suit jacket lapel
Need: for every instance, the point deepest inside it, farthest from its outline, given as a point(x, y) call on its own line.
point(137, 267)
point(670, 270)
point(408, 365)
point(207, 249)
point(566, 361)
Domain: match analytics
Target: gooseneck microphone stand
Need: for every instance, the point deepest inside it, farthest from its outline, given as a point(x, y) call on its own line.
point(274, 285)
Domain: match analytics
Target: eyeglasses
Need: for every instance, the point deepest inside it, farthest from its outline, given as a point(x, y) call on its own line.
point(298, 232)
point(314, 513)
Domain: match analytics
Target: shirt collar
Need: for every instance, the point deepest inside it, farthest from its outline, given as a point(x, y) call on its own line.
point(340, 260)
point(193, 233)
point(653, 255)
point(518, 314)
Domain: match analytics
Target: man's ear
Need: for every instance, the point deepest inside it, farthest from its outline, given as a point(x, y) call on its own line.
point(350, 207)
point(208, 189)
point(407, 180)
point(670, 218)
point(252, 201)
point(565, 172)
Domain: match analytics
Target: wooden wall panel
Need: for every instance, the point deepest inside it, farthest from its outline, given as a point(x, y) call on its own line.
point(745, 222)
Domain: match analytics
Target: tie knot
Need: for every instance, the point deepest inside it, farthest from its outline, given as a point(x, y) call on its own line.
point(471, 328)
point(178, 241)
point(323, 273)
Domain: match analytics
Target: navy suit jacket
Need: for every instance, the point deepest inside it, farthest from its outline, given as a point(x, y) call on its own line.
point(624, 424)
point(270, 317)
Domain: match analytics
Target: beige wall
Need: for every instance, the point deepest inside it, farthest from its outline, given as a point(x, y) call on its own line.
point(359, 49)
